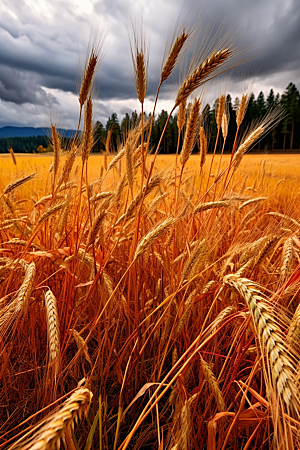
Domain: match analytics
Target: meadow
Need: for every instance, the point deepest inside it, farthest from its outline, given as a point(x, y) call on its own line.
point(151, 301)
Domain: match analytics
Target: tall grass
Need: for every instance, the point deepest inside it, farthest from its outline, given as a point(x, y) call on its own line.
point(161, 300)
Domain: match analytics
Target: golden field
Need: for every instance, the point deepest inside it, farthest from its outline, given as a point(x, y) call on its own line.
point(161, 325)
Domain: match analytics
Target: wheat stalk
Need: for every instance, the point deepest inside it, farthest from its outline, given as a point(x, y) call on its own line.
point(87, 143)
point(203, 146)
point(56, 145)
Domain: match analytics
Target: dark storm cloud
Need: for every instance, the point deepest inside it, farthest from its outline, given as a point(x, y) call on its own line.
point(21, 87)
point(40, 43)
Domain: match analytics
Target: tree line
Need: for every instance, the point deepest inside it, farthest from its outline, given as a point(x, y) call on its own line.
point(285, 136)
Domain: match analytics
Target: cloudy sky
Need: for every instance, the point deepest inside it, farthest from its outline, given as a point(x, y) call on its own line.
point(43, 43)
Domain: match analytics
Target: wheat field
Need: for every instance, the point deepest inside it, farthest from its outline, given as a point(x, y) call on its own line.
point(151, 301)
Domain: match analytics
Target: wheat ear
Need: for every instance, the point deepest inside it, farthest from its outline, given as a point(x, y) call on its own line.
point(213, 384)
point(140, 60)
point(201, 74)
point(271, 340)
point(190, 132)
point(20, 302)
point(50, 211)
point(224, 125)
point(53, 329)
point(287, 258)
point(285, 217)
point(220, 110)
point(211, 205)
point(181, 116)
point(151, 237)
point(11, 186)
point(48, 437)
point(242, 110)
point(82, 346)
point(67, 168)
point(173, 55)
point(13, 157)
point(88, 77)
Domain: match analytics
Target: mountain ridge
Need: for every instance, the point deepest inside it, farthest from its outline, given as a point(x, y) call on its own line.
point(11, 131)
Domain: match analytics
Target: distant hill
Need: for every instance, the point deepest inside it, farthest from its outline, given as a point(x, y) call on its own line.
point(10, 132)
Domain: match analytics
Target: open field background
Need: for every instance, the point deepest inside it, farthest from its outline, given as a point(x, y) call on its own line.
point(285, 167)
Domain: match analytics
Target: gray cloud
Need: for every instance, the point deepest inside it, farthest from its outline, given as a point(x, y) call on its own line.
point(41, 41)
